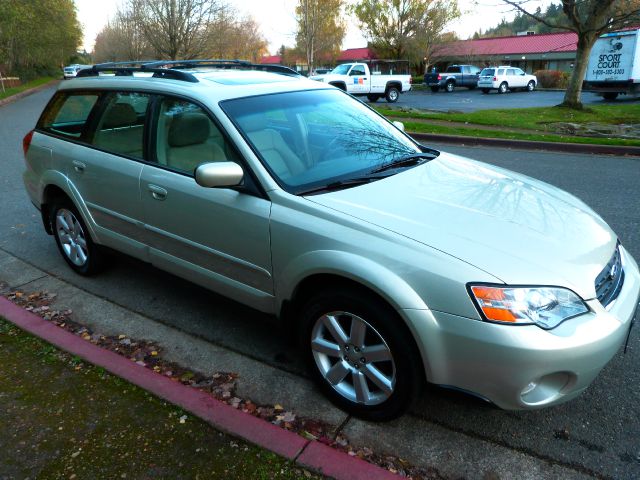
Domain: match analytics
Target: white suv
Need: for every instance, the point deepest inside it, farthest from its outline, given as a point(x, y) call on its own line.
point(505, 78)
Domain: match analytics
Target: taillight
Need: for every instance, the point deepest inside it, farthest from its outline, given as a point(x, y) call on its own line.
point(439, 77)
point(495, 79)
point(26, 142)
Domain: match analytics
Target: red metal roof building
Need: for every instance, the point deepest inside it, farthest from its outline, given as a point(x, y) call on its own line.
point(552, 51)
point(352, 54)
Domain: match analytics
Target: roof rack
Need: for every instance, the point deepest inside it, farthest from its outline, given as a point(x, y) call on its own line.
point(173, 69)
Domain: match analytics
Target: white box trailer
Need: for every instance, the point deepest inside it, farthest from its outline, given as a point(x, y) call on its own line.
point(614, 65)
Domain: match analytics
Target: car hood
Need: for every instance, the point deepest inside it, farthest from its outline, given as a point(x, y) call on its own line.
point(520, 230)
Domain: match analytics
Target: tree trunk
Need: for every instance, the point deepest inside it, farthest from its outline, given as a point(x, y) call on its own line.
point(574, 88)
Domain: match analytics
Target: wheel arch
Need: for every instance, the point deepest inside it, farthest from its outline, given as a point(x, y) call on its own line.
point(341, 85)
point(393, 83)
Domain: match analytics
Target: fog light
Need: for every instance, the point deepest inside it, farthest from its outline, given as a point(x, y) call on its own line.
point(546, 389)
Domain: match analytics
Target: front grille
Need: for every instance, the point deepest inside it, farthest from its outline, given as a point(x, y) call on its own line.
point(609, 281)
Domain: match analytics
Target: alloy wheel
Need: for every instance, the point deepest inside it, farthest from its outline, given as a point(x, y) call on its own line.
point(353, 358)
point(72, 237)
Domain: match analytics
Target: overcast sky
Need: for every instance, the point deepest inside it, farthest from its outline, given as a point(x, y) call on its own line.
point(278, 21)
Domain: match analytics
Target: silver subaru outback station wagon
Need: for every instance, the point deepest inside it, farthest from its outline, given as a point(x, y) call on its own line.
point(394, 263)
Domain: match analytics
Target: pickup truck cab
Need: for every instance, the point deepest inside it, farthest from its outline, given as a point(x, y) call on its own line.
point(375, 79)
point(454, 76)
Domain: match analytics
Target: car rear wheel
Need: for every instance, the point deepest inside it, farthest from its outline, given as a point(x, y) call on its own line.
point(373, 98)
point(531, 86)
point(392, 94)
point(73, 239)
point(503, 88)
point(359, 354)
point(450, 87)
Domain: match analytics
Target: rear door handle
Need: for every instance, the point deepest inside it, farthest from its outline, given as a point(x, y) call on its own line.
point(157, 192)
point(78, 166)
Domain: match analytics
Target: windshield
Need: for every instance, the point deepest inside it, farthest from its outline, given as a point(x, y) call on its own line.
point(488, 72)
point(314, 138)
point(342, 69)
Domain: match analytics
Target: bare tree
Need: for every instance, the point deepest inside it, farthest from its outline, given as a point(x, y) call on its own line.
point(588, 19)
point(121, 39)
point(175, 28)
point(321, 29)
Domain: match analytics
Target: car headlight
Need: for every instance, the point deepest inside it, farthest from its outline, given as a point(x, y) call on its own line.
point(546, 307)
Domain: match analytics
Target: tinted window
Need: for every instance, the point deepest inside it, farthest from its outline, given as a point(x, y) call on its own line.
point(121, 125)
point(67, 114)
point(453, 70)
point(187, 137)
point(312, 138)
point(357, 70)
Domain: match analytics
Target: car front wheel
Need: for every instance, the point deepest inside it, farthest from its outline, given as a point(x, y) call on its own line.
point(73, 240)
point(503, 88)
point(359, 354)
point(392, 94)
point(531, 86)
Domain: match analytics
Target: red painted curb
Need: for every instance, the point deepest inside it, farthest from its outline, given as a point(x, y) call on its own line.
point(201, 404)
point(336, 464)
point(310, 454)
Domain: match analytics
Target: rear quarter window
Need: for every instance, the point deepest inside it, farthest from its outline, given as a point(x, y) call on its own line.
point(67, 113)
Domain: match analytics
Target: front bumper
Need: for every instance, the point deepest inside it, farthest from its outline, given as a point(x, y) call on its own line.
point(526, 367)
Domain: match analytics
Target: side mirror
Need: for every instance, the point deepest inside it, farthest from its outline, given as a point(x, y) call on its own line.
point(219, 174)
point(398, 125)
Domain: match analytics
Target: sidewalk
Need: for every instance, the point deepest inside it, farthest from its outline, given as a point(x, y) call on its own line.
point(409, 445)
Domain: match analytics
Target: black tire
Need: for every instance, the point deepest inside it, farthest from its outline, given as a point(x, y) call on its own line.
point(531, 86)
point(471, 87)
point(610, 96)
point(450, 87)
point(485, 90)
point(94, 256)
point(392, 94)
point(503, 88)
point(373, 98)
point(435, 89)
point(384, 329)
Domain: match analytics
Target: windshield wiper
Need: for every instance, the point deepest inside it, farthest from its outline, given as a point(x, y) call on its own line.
point(340, 184)
point(406, 161)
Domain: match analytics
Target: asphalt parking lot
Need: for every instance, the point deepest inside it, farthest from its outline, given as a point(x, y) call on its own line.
point(465, 100)
point(595, 435)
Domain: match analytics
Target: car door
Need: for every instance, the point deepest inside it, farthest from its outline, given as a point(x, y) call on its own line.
point(358, 79)
point(217, 237)
point(103, 162)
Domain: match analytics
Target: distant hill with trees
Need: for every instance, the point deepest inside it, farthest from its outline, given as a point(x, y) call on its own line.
point(524, 23)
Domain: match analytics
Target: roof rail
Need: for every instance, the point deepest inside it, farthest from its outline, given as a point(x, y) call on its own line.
point(122, 71)
point(174, 69)
point(224, 64)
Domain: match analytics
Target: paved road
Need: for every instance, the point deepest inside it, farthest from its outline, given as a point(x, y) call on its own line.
point(464, 100)
point(596, 434)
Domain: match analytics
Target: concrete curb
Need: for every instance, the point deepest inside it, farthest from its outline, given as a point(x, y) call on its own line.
point(528, 144)
point(26, 93)
point(306, 453)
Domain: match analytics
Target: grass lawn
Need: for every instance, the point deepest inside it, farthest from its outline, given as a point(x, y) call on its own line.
point(63, 418)
point(537, 120)
point(32, 84)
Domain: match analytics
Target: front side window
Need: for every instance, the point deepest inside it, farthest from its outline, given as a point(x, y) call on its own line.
point(120, 128)
point(342, 69)
point(357, 70)
point(310, 139)
point(67, 114)
point(187, 137)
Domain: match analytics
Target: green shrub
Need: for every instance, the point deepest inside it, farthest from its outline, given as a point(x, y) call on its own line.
point(552, 78)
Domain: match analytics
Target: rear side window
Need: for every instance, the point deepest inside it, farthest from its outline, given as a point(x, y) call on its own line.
point(120, 128)
point(453, 70)
point(67, 114)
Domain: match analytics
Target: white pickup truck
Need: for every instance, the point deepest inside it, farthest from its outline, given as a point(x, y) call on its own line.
point(375, 79)
point(614, 65)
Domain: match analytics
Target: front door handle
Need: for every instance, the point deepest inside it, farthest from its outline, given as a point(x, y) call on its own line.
point(78, 166)
point(157, 192)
